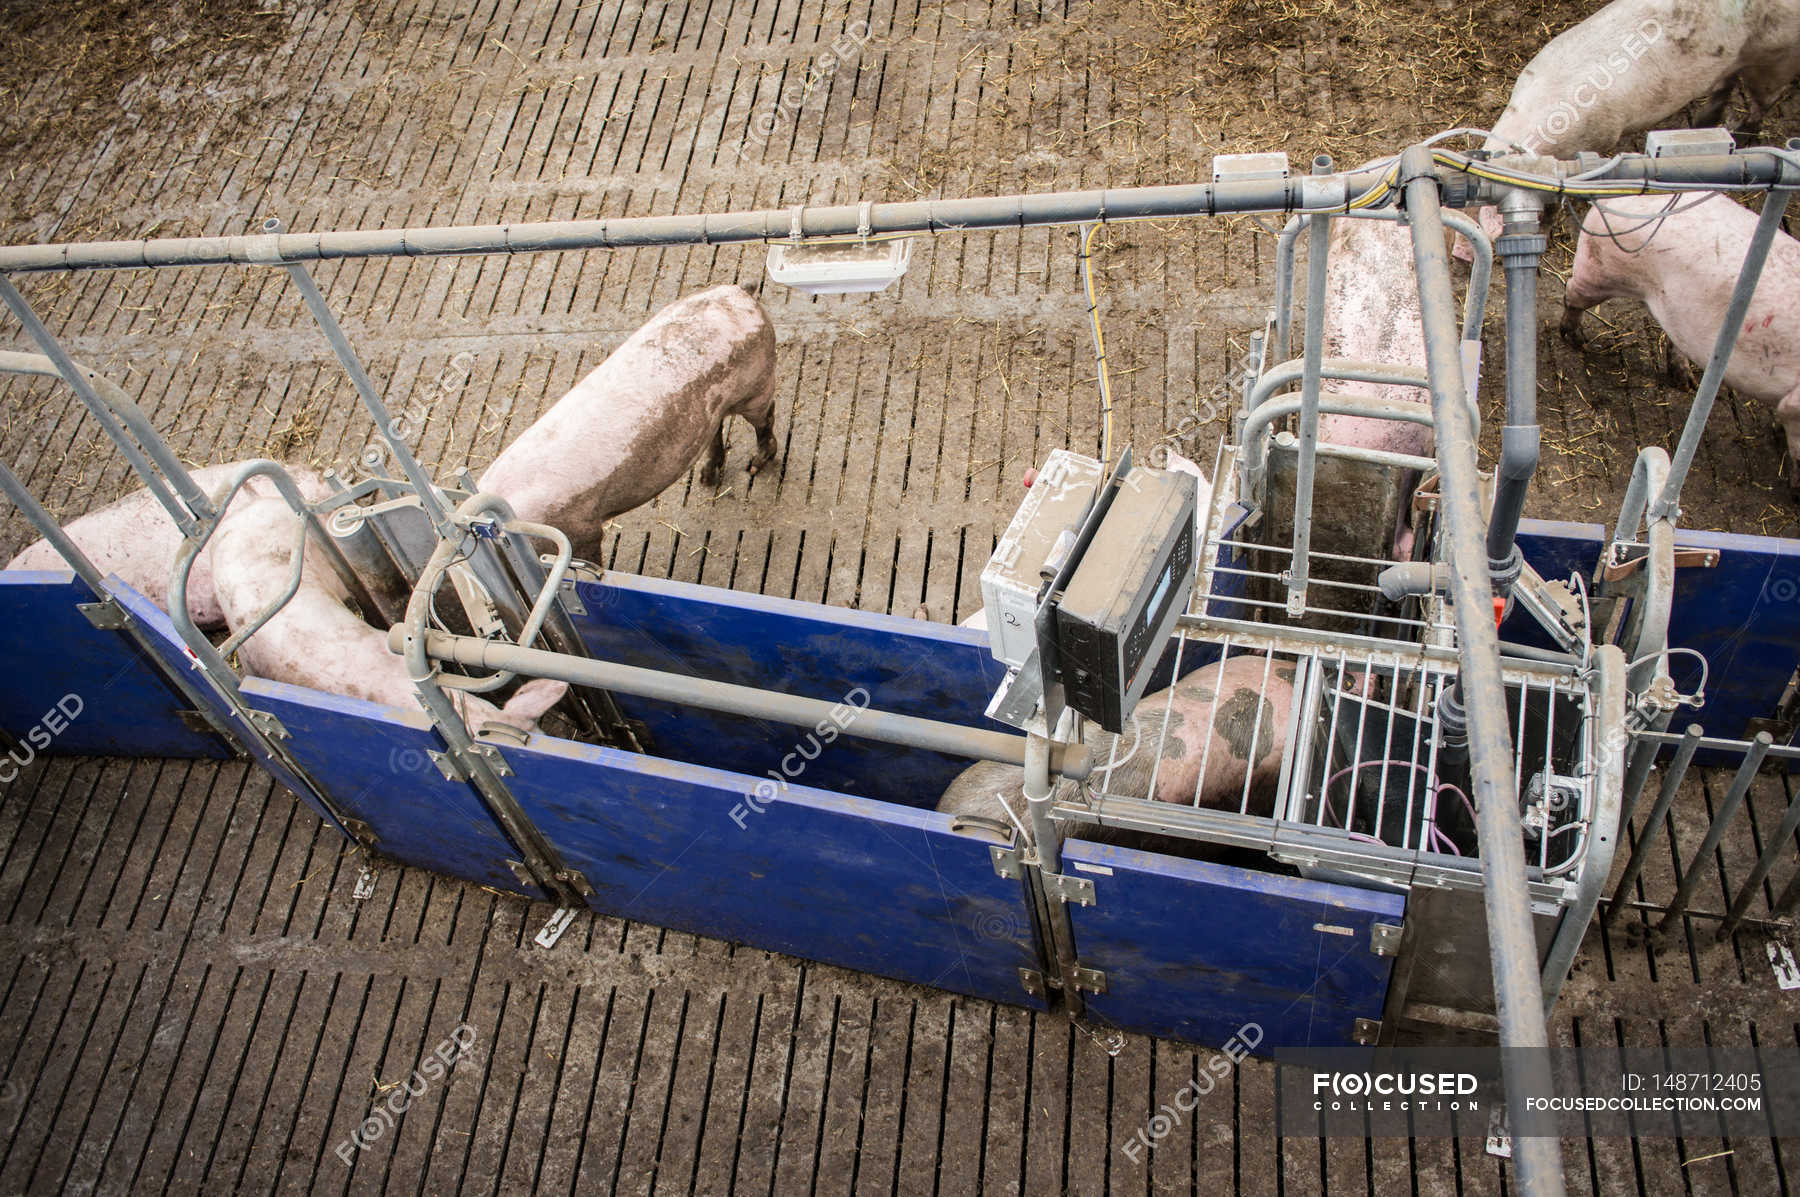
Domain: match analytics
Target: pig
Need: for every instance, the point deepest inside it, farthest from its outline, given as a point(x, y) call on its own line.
point(135, 539)
point(317, 641)
point(1229, 696)
point(1683, 268)
point(634, 424)
point(1372, 315)
point(1636, 63)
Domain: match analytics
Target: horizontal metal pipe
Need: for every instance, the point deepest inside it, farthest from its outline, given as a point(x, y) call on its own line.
point(769, 224)
point(1783, 752)
point(1070, 760)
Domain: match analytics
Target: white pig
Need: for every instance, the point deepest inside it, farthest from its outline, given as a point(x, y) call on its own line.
point(636, 423)
point(135, 539)
point(1372, 315)
point(315, 640)
point(1218, 717)
point(1683, 267)
point(1636, 63)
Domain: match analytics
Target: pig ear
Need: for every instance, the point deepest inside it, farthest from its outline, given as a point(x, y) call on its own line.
point(534, 698)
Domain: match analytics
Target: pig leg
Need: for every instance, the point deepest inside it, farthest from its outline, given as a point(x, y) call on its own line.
point(715, 457)
point(1788, 412)
point(1571, 325)
point(761, 415)
point(1711, 114)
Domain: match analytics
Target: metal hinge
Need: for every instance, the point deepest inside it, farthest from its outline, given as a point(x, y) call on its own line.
point(1010, 863)
point(1064, 888)
point(1384, 938)
point(571, 598)
point(491, 755)
point(359, 831)
point(1367, 1031)
point(105, 614)
point(1032, 982)
point(1090, 979)
point(266, 723)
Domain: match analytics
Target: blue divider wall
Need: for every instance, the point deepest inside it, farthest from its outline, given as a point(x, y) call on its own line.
point(907, 666)
point(59, 665)
point(374, 762)
point(866, 885)
point(1195, 951)
point(1743, 614)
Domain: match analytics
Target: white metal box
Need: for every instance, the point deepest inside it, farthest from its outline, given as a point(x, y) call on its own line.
point(1011, 580)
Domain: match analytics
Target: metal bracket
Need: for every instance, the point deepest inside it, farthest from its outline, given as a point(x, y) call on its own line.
point(553, 930)
point(1006, 862)
point(105, 614)
point(266, 723)
point(365, 885)
point(444, 764)
point(1384, 938)
point(1367, 1031)
point(491, 755)
point(1032, 982)
point(1090, 979)
point(359, 830)
point(522, 873)
point(571, 598)
point(1619, 565)
point(1066, 888)
point(574, 879)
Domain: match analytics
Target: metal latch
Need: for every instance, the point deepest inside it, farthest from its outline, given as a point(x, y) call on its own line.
point(1384, 938)
point(105, 614)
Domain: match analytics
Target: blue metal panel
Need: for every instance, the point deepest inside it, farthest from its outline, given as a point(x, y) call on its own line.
point(865, 885)
point(374, 762)
point(909, 666)
point(122, 704)
point(1194, 951)
point(1743, 614)
point(169, 649)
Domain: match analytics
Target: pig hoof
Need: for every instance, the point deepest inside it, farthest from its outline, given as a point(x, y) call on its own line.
point(921, 612)
point(709, 474)
point(762, 458)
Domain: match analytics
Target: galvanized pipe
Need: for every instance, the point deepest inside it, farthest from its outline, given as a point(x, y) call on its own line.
point(1775, 207)
point(1790, 898)
point(130, 414)
point(1066, 760)
point(1665, 798)
point(77, 379)
point(769, 224)
point(1604, 829)
point(1765, 864)
point(1046, 842)
point(1512, 937)
point(365, 387)
point(1734, 798)
point(1481, 272)
point(1521, 251)
point(1313, 352)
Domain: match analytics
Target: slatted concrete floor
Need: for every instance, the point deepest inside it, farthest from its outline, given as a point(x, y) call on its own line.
point(193, 1000)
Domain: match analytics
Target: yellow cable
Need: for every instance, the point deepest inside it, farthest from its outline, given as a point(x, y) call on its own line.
point(1087, 283)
